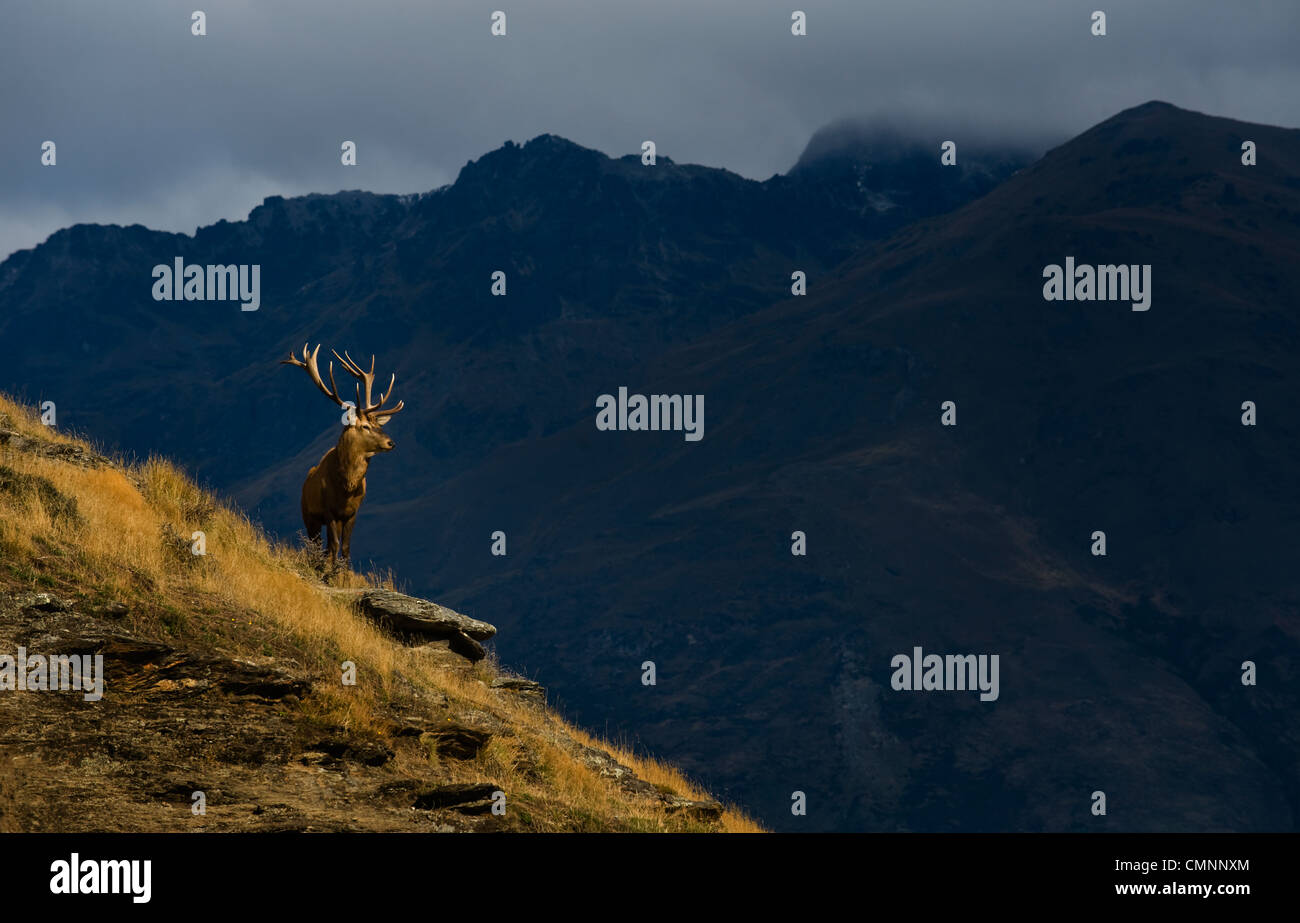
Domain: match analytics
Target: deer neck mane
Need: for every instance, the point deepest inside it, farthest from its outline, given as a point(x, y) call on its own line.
point(352, 459)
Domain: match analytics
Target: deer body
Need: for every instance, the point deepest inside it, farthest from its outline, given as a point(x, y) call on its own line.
point(334, 489)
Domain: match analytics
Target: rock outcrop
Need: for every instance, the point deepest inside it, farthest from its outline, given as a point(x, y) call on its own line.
point(48, 448)
point(418, 621)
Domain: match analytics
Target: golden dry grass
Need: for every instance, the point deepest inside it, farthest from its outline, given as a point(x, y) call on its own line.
point(252, 597)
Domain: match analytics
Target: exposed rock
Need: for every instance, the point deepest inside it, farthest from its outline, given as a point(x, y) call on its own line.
point(418, 620)
point(117, 648)
point(481, 719)
point(414, 725)
point(610, 768)
point(72, 454)
point(525, 687)
point(453, 650)
point(467, 798)
point(466, 646)
point(457, 741)
point(40, 602)
point(708, 811)
point(245, 677)
point(137, 665)
point(340, 746)
point(113, 610)
point(419, 616)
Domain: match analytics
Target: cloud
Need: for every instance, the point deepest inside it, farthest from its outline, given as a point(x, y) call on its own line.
point(162, 128)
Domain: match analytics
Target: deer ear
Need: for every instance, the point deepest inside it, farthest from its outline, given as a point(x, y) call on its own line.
point(382, 420)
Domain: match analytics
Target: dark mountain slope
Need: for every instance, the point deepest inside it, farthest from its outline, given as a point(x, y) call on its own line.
point(1118, 673)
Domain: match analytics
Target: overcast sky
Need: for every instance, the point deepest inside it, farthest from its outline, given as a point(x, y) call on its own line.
point(158, 127)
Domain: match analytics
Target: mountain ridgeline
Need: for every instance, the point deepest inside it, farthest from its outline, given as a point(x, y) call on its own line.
point(1118, 673)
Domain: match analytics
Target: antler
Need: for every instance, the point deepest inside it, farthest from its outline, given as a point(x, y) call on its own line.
point(308, 362)
point(369, 409)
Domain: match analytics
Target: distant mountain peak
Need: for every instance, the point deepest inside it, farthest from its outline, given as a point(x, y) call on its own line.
point(546, 153)
point(546, 140)
point(882, 140)
point(1152, 104)
point(1152, 109)
point(856, 139)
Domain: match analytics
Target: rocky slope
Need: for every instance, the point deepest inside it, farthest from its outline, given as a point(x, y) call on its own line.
point(209, 688)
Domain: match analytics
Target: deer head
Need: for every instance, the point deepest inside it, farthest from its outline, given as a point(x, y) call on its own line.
point(367, 416)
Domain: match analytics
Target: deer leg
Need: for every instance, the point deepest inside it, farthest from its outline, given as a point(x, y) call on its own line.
point(334, 535)
point(347, 538)
point(313, 534)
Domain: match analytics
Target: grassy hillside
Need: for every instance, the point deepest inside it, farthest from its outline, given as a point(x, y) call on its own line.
point(95, 553)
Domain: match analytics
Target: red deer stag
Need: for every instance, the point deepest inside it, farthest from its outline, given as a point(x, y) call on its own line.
point(334, 489)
